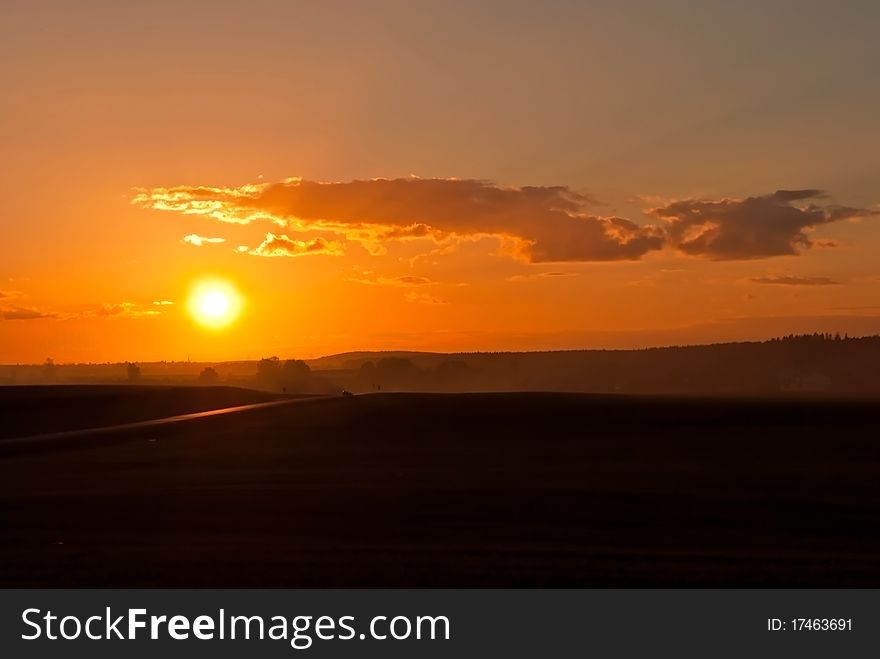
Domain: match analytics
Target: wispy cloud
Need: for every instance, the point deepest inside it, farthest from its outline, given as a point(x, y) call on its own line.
point(123, 310)
point(369, 278)
point(105, 310)
point(23, 313)
point(198, 241)
point(794, 280)
point(423, 298)
point(283, 246)
point(541, 275)
point(858, 309)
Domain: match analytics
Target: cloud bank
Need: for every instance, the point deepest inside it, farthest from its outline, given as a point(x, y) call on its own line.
point(533, 223)
point(536, 223)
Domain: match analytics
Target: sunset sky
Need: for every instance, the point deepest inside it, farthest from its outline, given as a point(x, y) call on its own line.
point(434, 176)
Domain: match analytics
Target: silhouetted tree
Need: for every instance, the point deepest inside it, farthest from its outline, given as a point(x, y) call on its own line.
point(366, 376)
point(395, 372)
point(49, 369)
point(208, 376)
point(292, 375)
point(296, 369)
point(132, 371)
point(296, 376)
point(269, 373)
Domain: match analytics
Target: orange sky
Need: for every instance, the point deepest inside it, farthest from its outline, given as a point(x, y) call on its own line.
point(402, 176)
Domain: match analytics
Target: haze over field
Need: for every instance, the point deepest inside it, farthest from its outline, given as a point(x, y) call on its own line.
point(806, 365)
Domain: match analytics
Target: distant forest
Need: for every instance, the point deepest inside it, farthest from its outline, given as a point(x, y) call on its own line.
point(814, 364)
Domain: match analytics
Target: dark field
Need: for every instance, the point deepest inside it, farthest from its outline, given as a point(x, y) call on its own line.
point(52, 408)
point(458, 490)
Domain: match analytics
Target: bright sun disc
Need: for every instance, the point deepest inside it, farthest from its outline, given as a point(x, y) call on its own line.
point(214, 304)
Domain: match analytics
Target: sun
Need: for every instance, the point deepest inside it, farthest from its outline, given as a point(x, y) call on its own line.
point(214, 303)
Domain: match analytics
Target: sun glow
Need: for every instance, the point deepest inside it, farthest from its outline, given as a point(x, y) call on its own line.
point(214, 303)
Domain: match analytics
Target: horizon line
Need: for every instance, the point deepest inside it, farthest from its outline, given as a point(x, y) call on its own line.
point(671, 346)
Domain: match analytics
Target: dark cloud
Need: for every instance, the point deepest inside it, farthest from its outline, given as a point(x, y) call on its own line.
point(22, 313)
point(537, 223)
point(533, 223)
point(793, 280)
point(755, 227)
